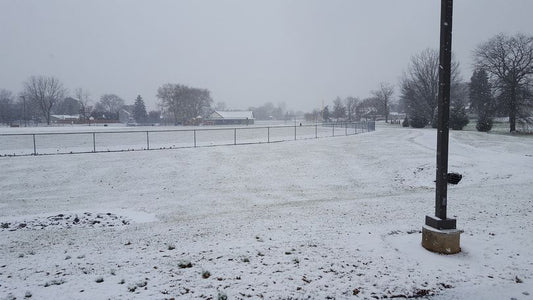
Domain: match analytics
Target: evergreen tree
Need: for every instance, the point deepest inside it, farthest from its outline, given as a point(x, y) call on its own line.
point(458, 99)
point(481, 100)
point(139, 110)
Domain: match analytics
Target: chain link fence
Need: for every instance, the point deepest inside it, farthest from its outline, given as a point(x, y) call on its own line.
point(45, 143)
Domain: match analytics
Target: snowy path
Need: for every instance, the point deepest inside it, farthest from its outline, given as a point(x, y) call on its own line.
point(315, 218)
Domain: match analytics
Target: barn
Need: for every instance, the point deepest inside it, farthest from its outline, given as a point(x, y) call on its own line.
point(231, 118)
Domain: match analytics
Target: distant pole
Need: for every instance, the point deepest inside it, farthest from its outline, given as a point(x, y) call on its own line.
point(34, 145)
point(147, 141)
point(441, 221)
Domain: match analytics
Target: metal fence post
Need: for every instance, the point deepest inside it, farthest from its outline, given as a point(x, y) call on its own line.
point(34, 146)
point(345, 128)
point(147, 141)
point(94, 142)
point(268, 134)
point(234, 136)
point(295, 132)
point(316, 131)
point(194, 137)
point(333, 129)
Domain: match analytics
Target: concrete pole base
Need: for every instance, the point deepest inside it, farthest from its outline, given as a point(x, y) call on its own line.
point(444, 241)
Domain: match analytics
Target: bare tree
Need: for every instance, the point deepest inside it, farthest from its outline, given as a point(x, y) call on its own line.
point(339, 110)
point(351, 108)
point(420, 86)
point(314, 116)
point(383, 97)
point(269, 111)
point(221, 106)
point(84, 98)
point(366, 109)
point(183, 102)
point(509, 63)
point(6, 107)
point(110, 103)
point(44, 92)
point(172, 99)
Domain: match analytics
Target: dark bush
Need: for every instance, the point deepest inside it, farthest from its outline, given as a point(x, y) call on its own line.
point(458, 118)
point(418, 121)
point(484, 124)
point(405, 122)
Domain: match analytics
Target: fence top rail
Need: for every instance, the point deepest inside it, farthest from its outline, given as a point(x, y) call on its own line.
point(180, 130)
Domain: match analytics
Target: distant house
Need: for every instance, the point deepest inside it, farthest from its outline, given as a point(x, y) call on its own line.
point(219, 117)
point(64, 119)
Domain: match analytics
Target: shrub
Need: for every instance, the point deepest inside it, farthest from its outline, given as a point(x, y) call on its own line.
point(484, 124)
point(418, 121)
point(405, 122)
point(458, 118)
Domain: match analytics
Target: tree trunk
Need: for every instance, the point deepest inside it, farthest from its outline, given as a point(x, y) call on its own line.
point(512, 119)
point(175, 118)
point(512, 110)
point(47, 117)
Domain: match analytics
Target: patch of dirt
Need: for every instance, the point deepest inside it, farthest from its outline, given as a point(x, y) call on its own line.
point(60, 221)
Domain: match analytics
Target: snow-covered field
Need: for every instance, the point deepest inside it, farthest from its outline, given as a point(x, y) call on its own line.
point(320, 219)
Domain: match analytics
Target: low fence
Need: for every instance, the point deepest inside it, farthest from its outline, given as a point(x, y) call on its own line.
point(15, 144)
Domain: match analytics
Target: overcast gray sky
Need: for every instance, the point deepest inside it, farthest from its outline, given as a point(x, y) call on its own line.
point(246, 52)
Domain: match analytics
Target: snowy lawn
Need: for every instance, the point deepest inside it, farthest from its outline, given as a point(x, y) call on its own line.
point(328, 218)
point(84, 139)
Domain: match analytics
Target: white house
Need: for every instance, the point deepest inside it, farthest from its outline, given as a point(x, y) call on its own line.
point(219, 117)
point(64, 119)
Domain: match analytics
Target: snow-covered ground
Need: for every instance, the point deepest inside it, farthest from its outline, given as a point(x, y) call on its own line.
point(83, 139)
point(327, 218)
